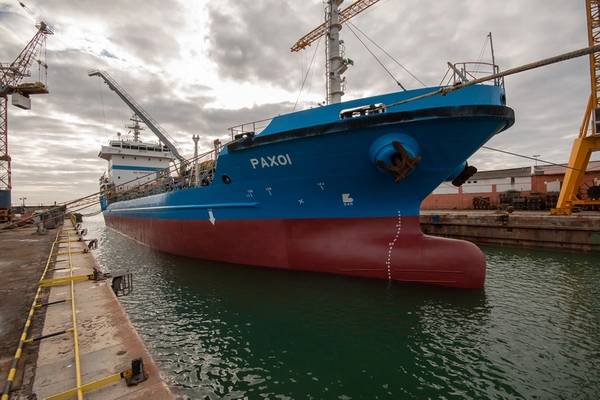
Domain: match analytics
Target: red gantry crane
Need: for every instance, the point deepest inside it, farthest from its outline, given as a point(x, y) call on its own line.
point(11, 76)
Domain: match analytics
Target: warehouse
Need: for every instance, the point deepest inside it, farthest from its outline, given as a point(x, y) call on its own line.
point(535, 187)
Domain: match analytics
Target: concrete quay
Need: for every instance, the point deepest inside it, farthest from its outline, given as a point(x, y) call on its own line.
point(23, 255)
point(78, 341)
point(535, 229)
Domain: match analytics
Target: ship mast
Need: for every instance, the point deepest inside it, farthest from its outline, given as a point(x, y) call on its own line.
point(136, 127)
point(335, 63)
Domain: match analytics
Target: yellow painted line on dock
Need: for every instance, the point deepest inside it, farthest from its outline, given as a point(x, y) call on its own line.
point(13, 368)
point(71, 279)
point(64, 280)
point(65, 253)
point(74, 321)
point(43, 283)
point(67, 394)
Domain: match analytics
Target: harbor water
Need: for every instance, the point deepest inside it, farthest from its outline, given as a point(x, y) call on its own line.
point(221, 331)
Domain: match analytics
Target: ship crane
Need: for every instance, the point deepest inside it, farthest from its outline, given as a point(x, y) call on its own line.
point(140, 112)
point(588, 140)
point(336, 64)
point(11, 76)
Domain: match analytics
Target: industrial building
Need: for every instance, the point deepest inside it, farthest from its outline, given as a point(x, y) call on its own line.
point(534, 187)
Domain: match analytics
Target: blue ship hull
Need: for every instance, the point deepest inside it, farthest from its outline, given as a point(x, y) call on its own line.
point(311, 192)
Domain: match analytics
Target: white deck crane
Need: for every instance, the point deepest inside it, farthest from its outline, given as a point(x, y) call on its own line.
point(140, 112)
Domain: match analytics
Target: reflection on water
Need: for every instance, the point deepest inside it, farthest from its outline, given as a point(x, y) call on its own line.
point(224, 331)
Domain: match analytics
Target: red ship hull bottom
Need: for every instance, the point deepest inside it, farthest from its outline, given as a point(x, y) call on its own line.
point(383, 248)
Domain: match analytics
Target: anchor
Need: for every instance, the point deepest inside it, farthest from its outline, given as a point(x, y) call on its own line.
point(402, 163)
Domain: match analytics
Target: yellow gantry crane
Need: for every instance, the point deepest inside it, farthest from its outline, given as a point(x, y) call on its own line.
point(344, 15)
point(589, 133)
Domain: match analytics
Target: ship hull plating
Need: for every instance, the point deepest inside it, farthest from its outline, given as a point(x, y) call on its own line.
point(383, 248)
point(315, 191)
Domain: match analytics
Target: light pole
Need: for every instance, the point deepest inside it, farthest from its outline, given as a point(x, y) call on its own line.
point(23, 201)
point(536, 158)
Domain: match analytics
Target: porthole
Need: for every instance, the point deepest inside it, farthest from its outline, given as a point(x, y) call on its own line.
point(226, 179)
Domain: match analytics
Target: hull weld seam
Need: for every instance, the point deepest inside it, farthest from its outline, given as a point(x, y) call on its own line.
point(392, 244)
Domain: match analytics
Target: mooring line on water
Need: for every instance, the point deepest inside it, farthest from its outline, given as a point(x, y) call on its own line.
point(566, 166)
point(511, 71)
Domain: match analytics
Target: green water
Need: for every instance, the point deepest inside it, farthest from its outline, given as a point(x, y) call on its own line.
point(226, 332)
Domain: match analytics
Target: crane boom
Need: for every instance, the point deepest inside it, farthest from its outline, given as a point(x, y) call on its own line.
point(139, 111)
point(349, 12)
point(10, 83)
point(12, 74)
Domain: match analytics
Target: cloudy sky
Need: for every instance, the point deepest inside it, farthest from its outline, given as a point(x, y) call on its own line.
point(201, 66)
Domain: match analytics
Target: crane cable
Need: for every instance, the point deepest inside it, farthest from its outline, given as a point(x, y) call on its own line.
point(531, 158)
point(522, 156)
point(89, 198)
point(483, 48)
point(102, 101)
point(444, 77)
point(387, 54)
point(306, 75)
point(376, 58)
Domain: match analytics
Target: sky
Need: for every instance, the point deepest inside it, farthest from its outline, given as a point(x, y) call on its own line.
point(199, 67)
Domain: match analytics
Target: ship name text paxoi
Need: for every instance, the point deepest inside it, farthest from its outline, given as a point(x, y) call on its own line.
point(277, 160)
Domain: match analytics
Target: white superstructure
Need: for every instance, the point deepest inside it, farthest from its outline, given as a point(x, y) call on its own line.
point(132, 163)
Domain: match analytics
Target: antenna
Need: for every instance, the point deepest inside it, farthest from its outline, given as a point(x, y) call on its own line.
point(136, 127)
point(493, 55)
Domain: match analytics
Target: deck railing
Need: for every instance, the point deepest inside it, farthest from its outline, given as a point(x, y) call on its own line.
point(467, 71)
point(253, 127)
point(175, 177)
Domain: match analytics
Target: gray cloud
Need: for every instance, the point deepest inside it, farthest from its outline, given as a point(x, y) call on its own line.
point(251, 41)
point(54, 146)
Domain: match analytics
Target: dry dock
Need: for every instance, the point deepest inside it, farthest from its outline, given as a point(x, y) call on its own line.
point(521, 228)
point(74, 339)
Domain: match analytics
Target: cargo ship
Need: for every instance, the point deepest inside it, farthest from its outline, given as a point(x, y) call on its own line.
point(334, 189)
